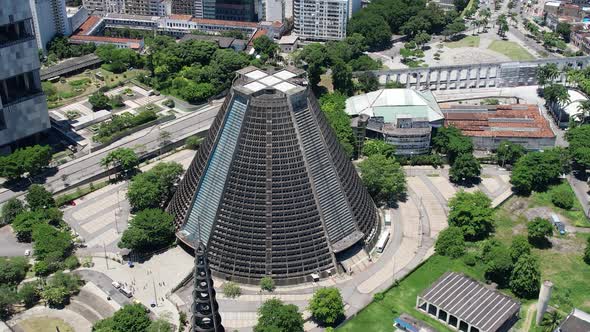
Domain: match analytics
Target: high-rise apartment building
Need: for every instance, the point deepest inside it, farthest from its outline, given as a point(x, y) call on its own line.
point(271, 192)
point(52, 17)
point(148, 7)
point(23, 106)
point(105, 6)
point(322, 20)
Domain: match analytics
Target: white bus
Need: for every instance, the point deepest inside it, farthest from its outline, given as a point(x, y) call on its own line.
point(383, 238)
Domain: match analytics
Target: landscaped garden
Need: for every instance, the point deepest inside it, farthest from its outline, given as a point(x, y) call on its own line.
point(469, 41)
point(560, 261)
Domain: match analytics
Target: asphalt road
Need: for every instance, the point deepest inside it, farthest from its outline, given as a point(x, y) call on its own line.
point(83, 168)
point(103, 282)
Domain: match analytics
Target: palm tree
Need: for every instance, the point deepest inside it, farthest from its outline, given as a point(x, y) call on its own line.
point(514, 18)
point(551, 320)
point(583, 111)
point(502, 23)
point(547, 73)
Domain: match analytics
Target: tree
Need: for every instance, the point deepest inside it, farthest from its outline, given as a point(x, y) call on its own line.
point(465, 169)
point(365, 62)
point(314, 55)
point(8, 297)
point(520, 246)
point(375, 146)
point(266, 47)
point(551, 320)
point(332, 106)
point(160, 325)
point(538, 231)
point(368, 82)
point(450, 243)
point(373, 27)
point(24, 222)
point(525, 279)
point(422, 38)
point(11, 209)
point(564, 30)
point(556, 94)
point(47, 240)
point(55, 296)
point(273, 316)
point(587, 251)
point(450, 141)
point(29, 294)
point(508, 152)
point(130, 318)
point(503, 26)
point(456, 27)
point(583, 112)
point(342, 78)
point(35, 158)
point(579, 145)
point(537, 170)
point(562, 196)
point(267, 284)
point(460, 4)
point(231, 290)
point(499, 266)
point(473, 213)
point(39, 198)
point(153, 188)
point(13, 270)
point(384, 178)
point(149, 230)
point(326, 305)
point(125, 158)
point(99, 101)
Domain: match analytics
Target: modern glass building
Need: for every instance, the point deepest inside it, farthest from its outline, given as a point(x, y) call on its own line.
point(270, 191)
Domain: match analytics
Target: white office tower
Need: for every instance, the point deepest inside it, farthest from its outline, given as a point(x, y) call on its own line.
point(49, 19)
point(321, 20)
point(23, 106)
point(271, 10)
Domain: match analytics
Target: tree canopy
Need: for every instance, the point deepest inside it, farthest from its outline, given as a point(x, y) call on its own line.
point(23, 224)
point(11, 209)
point(275, 316)
point(450, 141)
point(13, 270)
point(508, 152)
point(579, 145)
point(384, 178)
point(537, 170)
point(539, 230)
point(520, 246)
point(450, 242)
point(525, 280)
point(465, 169)
point(332, 106)
point(153, 188)
point(125, 158)
point(472, 212)
point(32, 160)
point(39, 198)
point(49, 240)
point(266, 47)
point(149, 230)
point(498, 265)
point(130, 318)
point(376, 146)
point(326, 305)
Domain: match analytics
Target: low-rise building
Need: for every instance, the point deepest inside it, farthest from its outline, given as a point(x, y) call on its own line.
point(488, 125)
point(288, 44)
point(576, 321)
point(565, 113)
point(401, 117)
point(467, 305)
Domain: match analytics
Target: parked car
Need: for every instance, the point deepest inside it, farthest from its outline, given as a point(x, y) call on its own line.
point(116, 284)
point(126, 292)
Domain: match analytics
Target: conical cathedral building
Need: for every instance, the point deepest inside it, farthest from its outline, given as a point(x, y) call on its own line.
point(270, 191)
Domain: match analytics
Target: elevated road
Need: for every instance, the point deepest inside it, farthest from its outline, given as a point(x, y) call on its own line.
point(144, 142)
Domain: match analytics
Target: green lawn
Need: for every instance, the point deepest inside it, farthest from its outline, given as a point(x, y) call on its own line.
point(575, 215)
point(45, 324)
point(378, 316)
point(563, 265)
point(469, 41)
point(510, 49)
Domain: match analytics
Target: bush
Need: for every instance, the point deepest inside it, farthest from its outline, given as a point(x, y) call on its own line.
point(169, 103)
point(539, 230)
point(587, 252)
point(29, 294)
point(450, 242)
point(231, 290)
point(71, 262)
point(378, 296)
point(267, 284)
point(469, 259)
point(562, 197)
point(193, 142)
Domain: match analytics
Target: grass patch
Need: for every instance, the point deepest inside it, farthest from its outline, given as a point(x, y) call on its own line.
point(575, 215)
point(469, 41)
point(45, 324)
point(511, 50)
point(378, 316)
point(63, 199)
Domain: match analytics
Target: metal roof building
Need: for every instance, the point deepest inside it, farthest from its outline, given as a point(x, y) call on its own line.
point(271, 192)
point(468, 305)
point(576, 321)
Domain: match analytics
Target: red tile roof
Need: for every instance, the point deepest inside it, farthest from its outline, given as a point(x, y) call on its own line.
point(87, 25)
point(504, 121)
point(134, 43)
point(180, 17)
point(259, 33)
